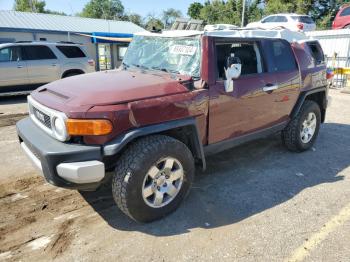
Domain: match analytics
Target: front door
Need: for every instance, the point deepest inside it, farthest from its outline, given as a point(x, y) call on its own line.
point(258, 96)
point(13, 71)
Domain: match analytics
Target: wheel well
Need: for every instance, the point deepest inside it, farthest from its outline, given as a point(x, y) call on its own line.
point(188, 136)
point(72, 71)
point(320, 99)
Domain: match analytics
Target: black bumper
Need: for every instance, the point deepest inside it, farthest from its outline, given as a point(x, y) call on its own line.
point(51, 153)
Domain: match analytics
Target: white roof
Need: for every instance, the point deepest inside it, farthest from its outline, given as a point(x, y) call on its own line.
point(64, 23)
point(286, 34)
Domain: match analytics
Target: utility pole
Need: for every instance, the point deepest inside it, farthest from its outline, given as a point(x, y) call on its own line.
point(243, 12)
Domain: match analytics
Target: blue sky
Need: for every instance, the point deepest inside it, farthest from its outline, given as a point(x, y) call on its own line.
point(142, 7)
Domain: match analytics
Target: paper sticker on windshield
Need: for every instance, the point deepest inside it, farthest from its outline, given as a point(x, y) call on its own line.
point(183, 49)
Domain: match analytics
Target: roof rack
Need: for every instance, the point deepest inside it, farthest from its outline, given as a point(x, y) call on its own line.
point(47, 42)
point(66, 42)
point(234, 32)
point(243, 32)
point(187, 24)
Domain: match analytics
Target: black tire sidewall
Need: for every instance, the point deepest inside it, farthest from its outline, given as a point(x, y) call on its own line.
point(310, 107)
point(137, 207)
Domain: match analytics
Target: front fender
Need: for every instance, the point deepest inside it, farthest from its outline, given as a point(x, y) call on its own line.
point(116, 145)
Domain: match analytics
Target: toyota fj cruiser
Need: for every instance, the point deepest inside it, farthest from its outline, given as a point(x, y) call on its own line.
point(178, 97)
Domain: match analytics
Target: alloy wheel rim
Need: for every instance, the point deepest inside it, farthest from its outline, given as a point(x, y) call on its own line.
point(162, 182)
point(308, 128)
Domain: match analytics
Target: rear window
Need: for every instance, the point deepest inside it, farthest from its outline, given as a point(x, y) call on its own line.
point(303, 19)
point(316, 52)
point(37, 52)
point(71, 51)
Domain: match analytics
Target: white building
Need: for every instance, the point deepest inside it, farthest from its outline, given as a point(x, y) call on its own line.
point(104, 40)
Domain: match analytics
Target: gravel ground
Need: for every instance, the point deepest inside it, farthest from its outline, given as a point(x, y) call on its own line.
point(257, 202)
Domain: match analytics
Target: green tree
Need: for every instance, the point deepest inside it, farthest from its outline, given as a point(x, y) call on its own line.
point(304, 6)
point(279, 6)
point(194, 10)
point(254, 12)
point(324, 12)
point(36, 6)
point(105, 9)
point(135, 18)
point(169, 15)
point(154, 24)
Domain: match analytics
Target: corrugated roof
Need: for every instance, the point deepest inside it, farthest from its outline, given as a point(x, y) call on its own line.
point(35, 21)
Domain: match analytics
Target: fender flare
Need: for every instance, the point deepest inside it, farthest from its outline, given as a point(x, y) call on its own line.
point(302, 98)
point(116, 145)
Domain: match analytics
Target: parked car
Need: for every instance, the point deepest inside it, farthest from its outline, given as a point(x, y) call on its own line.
point(342, 19)
point(292, 22)
point(26, 65)
point(179, 97)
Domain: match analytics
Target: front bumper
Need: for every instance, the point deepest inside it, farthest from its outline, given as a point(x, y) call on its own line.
point(62, 164)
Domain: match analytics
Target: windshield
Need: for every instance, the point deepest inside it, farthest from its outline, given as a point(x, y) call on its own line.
point(173, 55)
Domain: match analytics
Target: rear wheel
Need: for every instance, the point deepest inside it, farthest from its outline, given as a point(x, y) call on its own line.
point(152, 177)
point(302, 131)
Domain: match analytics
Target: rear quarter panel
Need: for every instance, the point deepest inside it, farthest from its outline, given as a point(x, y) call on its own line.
point(312, 75)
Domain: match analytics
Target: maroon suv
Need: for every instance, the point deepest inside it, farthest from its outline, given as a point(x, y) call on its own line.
point(178, 97)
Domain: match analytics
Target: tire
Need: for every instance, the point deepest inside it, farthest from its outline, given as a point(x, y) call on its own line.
point(292, 135)
point(347, 27)
point(132, 175)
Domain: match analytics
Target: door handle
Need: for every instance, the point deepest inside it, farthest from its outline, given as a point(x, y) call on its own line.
point(19, 66)
point(54, 64)
point(269, 88)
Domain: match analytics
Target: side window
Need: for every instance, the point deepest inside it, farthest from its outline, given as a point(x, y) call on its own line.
point(269, 19)
point(10, 54)
point(316, 52)
point(71, 51)
point(281, 56)
point(37, 52)
point(345, 12)
point(280, 19)
point(247, 52)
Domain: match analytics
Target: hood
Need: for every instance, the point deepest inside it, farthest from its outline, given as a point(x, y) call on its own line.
point(106, 88)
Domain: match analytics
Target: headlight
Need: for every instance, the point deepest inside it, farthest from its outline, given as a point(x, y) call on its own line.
point(59, 128)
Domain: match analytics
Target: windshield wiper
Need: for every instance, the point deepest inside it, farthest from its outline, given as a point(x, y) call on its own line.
point(165, 70)
point(140, 66)
point(125, 65)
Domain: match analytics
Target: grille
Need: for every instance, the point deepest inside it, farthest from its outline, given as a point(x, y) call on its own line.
point(42, 117)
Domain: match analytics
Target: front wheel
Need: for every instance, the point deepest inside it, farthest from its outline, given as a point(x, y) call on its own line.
point(302, 131)
point(152, 177)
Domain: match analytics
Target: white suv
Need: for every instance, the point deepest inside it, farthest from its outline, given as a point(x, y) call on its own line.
point(26, 65)
point(293, 22)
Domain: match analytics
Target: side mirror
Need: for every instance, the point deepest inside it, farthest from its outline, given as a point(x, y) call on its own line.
point(233, 71)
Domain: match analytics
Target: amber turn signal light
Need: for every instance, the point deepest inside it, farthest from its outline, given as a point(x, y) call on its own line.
point(84, 127)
